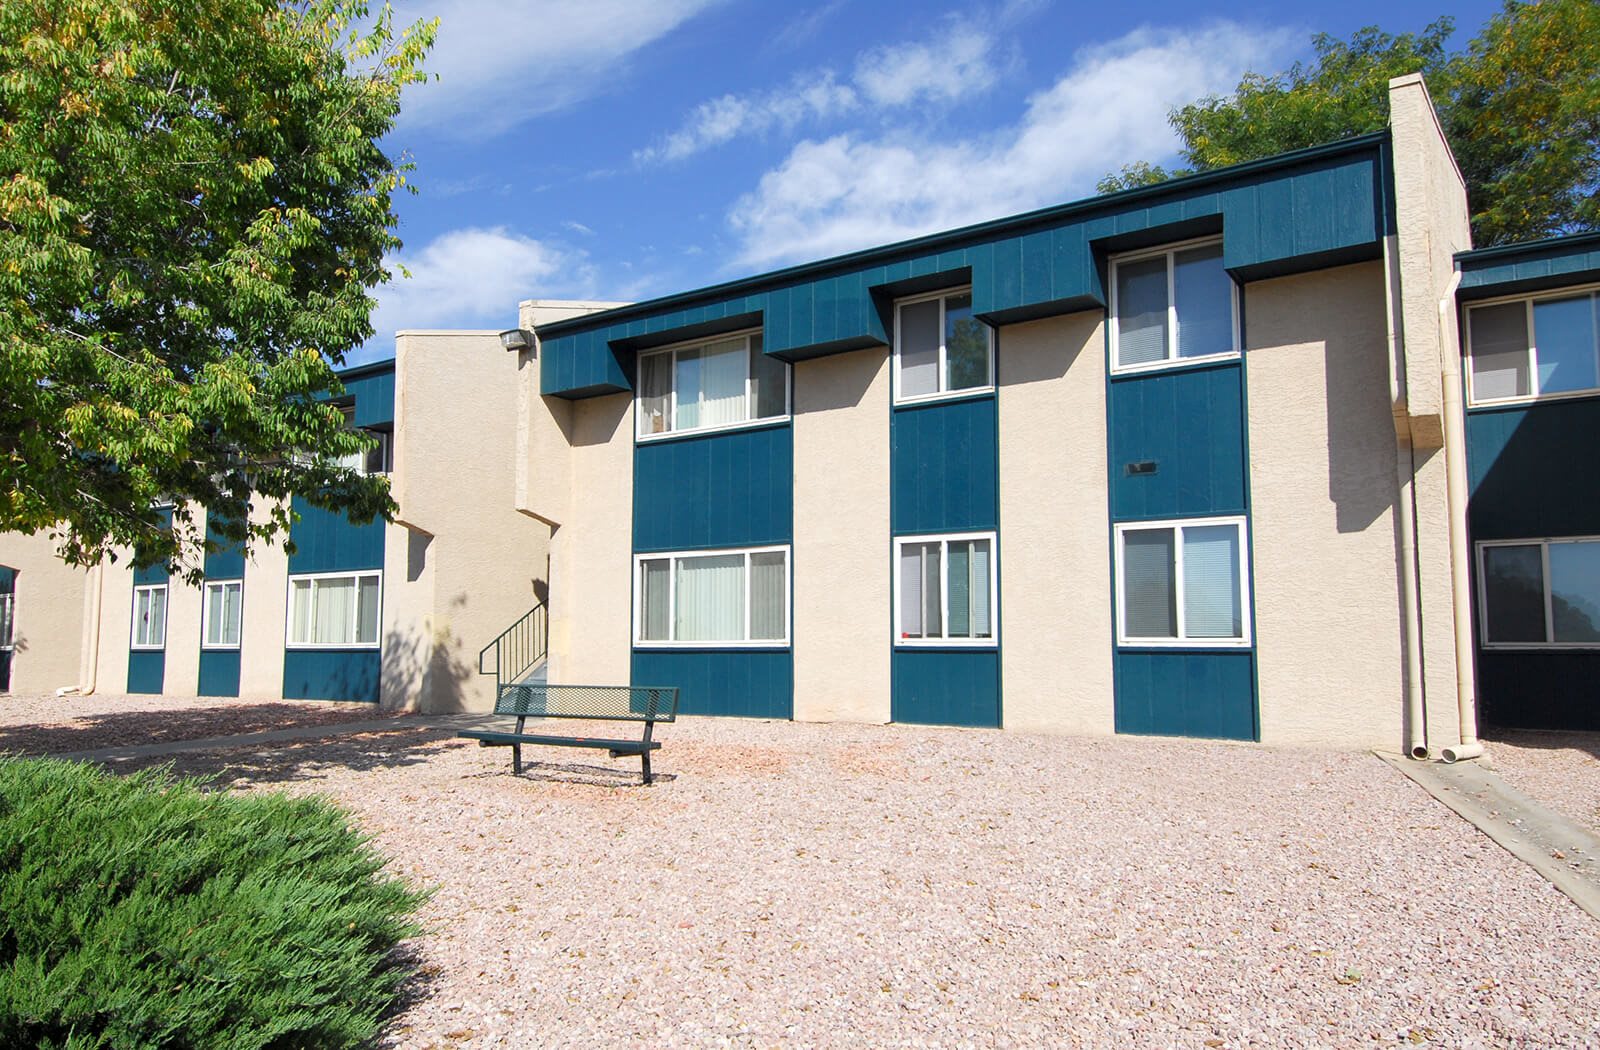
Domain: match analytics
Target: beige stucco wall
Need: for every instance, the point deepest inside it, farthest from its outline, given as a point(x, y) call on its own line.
point(1322, 499)
point(1055, 618)
point(116, 625)
point(264, 623)
point(467, 565)
point(49, 624)
point(841, 571)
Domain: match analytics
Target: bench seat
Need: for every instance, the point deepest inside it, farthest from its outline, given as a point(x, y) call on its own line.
point(489, 737)
point(605, 703)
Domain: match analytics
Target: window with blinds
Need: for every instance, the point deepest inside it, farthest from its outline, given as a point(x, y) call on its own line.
point(729, 597)
point(1182, 582)
point(150, 616)
point(222, 612)
point(1546, 346)
point(944, 590)
point(940, 347)
point(1172, 306)
point(335, 610)
point(709, 386)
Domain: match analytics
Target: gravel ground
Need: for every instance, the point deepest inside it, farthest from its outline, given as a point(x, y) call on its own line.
point(48, 724)
point(1562, 770)
point(812, 885)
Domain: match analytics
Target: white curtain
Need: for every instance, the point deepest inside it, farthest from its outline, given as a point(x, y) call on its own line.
point(920, 612)
point(656, 597)
point(1211, 602)
point(300, 613)
point(233, 603)
point(367, 611)
point(655, 393)
point(7, 604)
point(334, 608)
point(710, 598)
point(768, 611)
point(981, 576)
point(722, 383)
point(215, 614)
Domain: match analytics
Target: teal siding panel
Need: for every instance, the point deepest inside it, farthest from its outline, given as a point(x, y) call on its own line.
point(225, 563)
point(733, 489)
point(8, 580)
point(744, 683)
point(155, 573)
point(219, 672)
point(948, 687)
point(1539, 690)
point(1186, 693)
point(1540, 264)
point(147, 670)
point(374, 397)
point(1190, 423)
point(331, 674)
point(944, 463)
point(327, 542)
point(1530, 470)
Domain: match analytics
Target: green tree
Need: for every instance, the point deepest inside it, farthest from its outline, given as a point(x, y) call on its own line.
point(194, 206)
point(1520, 106)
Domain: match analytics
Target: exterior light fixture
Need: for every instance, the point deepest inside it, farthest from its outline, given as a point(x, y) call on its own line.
point(516, 339)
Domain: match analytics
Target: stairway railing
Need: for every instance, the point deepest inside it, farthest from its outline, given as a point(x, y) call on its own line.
point(519, 649)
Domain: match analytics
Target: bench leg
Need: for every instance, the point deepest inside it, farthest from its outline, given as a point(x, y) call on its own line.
point(646, 758)
point(516, 759)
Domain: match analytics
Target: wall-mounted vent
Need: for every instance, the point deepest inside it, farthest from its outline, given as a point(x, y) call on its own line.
point(1143, 466)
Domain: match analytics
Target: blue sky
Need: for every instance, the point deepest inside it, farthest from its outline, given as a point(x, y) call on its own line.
point(625, 149)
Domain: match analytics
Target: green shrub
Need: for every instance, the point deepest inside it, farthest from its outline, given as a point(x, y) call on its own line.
point(145, 912)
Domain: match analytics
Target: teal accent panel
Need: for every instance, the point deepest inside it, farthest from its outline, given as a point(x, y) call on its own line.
point(8, 579)
point(1532, 266)
point(155, 573)
point(374, 395)
point(745, 683)
point(733, 489)
point(225, 563)
point(946, 687)
point(1299, 211)
point(1531, 470)
point(331, 674)
point(1190, 423)
point(1186, 693)
point(327, 542)
point(944, 466)
point(219, 672)
point(1529, 689)
point(147, 670)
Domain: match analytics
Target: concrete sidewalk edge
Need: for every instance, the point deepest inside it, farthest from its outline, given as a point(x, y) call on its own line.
point(1564, 852)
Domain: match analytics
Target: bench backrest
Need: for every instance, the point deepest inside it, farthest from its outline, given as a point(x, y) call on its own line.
point(620, 703)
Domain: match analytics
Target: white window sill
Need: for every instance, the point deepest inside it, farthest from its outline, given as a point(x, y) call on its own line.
point(1234, 644)
point(147, 648)
point(1537, 647)
point(1174, 363)
point(748, 424)
point(1534, 399)
point(220, 648)
point(946, 395)
point(946, 643)
point(773, 643)
point(325, 646)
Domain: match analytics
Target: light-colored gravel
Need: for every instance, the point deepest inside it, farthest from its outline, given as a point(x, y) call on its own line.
point(47, 724)
point(1562, 770)
point(857, 886)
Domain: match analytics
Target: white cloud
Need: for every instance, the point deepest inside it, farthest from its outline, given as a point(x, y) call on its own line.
point(474, 278)
point(955, 63)
point(1110, 107)
point(500, 64)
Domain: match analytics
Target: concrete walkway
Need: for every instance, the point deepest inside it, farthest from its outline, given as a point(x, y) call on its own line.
point(1565, 852)
point(442, 725)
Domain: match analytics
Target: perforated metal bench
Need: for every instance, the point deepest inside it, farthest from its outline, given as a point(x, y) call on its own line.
point(605, 703)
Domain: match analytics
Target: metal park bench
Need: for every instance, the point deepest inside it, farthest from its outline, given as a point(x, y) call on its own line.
point(606, 703)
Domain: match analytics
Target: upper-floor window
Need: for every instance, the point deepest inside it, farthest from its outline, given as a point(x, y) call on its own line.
point(150, 616)
point(940, 347)
point(710, 385)
point(723, 597)
point(1536, 347)
point(376, 460)
point(1171, 306)
point(1540, 593)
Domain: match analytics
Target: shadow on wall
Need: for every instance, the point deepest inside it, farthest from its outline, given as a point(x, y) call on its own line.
point(422, 673)
point(1361, 437)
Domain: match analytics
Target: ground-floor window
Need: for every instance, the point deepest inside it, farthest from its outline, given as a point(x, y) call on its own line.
point(1543, 593)
point(725, 597)
point(1182, 582)
point(335, 610)
point(944, 589)
point(150, 616)
point(224, 605)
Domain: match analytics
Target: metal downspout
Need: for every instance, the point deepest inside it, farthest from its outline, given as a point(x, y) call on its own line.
point(1455, 461)
point(90, 670)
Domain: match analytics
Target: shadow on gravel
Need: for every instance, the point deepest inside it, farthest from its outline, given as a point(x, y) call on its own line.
point(578, 773)
point(301, 761)
point(120, 728)
point(1546, 740)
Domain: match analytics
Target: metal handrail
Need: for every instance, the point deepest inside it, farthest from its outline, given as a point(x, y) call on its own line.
point(520, 647)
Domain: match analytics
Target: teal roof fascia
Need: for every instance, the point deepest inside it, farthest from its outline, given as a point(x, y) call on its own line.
point(1529, 266)
point(1296, 211)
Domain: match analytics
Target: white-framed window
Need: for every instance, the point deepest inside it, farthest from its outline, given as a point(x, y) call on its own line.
point(1182, 582)
point(1172, 305)
point(940, 348)
point(150, 616)
point(335, 610)
point(710, 385)
point(1539, 593)
point(945, 590)
point(712, 598)
point(1533, 347)
point(222, 614)
point(8, 618)
point(379, 459)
